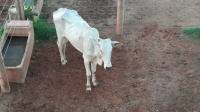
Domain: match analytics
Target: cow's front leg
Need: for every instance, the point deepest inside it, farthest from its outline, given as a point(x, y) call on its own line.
point(88, 75)
point(93, 67)
point(62, 46)
point(62, 56)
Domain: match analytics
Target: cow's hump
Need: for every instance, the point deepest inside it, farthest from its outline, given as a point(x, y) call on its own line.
point(72, 17)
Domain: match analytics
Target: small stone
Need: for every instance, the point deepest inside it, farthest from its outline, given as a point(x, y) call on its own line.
point(190, 73)
point(190, 76)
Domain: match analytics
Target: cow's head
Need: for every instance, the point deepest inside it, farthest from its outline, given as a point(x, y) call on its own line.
point(105, 47)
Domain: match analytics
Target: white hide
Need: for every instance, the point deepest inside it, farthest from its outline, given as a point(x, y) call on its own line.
point(71, 27)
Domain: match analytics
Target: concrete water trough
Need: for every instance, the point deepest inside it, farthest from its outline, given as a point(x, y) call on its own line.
point(16, 48)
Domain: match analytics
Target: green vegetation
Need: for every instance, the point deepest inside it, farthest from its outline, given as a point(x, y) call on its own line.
point(28, 13)
point(1, 31)
point(43, 31)
point(192, 32)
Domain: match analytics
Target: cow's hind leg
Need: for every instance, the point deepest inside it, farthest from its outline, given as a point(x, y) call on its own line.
point(62, 46)
point(93, 67)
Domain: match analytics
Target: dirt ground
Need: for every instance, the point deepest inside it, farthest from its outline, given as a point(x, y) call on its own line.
point(156, 69)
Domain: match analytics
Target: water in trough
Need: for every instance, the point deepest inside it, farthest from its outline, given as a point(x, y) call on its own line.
point(13, 50)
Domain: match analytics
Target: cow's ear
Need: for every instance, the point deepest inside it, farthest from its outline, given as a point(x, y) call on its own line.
point(116, 43)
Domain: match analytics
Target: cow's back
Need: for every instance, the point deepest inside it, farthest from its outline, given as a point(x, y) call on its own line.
point(70, 25)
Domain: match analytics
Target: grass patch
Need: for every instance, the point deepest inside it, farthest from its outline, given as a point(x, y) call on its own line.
point(192, 32)
point(43, 31)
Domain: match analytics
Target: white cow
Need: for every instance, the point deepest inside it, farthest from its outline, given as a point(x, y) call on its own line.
point(71, 27)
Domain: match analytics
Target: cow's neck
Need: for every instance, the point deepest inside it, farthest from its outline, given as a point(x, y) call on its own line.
point(97, 53)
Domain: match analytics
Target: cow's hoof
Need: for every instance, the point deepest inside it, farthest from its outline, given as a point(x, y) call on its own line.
point(96, 84)
point(88, 90)
point(64, 62)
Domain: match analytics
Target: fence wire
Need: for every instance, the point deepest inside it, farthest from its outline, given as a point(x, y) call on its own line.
point(3, 7)
point(9, 33)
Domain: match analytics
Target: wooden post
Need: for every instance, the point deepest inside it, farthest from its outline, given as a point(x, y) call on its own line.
point(120, 17)
point(20, 9)
point(4, 83)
